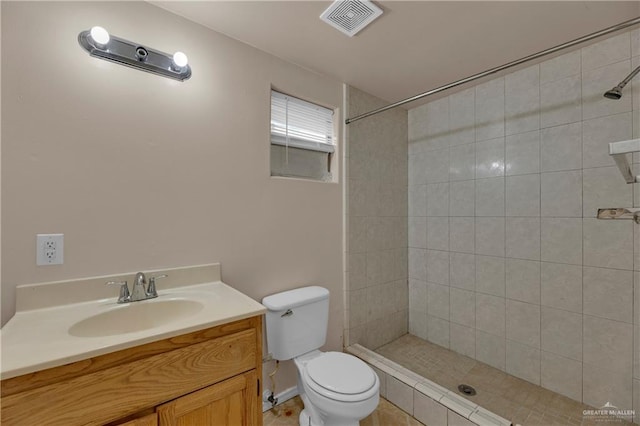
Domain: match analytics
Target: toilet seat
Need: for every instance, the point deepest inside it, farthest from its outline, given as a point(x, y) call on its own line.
point(340, 377)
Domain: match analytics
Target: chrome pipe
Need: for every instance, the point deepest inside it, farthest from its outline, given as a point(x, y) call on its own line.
point(511, 64)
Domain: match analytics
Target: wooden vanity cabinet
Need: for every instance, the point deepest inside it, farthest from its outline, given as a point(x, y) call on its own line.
point(210, 377)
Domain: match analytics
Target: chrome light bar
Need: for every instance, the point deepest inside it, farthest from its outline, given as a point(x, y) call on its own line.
point(100, 44)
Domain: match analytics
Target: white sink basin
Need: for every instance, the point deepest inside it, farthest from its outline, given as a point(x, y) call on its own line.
point(135, 316)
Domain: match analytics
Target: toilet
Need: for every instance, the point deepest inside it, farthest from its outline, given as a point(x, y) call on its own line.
point(337, 389)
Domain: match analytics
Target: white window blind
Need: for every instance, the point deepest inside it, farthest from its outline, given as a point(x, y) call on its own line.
point(301, 124)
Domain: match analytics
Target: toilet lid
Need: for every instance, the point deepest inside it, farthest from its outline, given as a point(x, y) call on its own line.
point(341, 373)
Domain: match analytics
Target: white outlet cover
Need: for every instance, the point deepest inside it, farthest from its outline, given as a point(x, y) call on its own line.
point(49, 249)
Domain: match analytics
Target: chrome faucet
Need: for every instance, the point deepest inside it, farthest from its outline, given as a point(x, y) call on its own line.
point(139, 292)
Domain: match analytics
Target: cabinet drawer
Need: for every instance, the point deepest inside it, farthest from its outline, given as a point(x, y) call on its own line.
point(113, 393)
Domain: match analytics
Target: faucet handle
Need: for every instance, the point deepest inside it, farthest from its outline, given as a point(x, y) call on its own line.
point(151, 290)
point(124, 290)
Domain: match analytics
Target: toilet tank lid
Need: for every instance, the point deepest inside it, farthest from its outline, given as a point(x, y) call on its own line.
point(296, 297)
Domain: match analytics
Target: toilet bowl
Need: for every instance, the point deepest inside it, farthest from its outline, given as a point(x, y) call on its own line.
point(337, 389)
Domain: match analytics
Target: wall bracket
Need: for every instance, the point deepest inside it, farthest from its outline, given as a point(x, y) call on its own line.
point(619, 151)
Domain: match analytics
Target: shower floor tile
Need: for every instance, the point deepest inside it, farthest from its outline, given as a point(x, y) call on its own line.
point(510, 397)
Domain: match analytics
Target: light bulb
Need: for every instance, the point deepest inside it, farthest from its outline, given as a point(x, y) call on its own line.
point(180, 59)
point(100, 35)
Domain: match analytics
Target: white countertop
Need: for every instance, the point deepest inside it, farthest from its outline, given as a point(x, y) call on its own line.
point(36, 339)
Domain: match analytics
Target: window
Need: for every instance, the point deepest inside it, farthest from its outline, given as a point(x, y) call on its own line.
point(302, 141)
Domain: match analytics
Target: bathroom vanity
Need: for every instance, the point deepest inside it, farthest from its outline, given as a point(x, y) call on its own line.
point(200, 369)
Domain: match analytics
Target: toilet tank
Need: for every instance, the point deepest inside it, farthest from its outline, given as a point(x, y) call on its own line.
point(296, 321)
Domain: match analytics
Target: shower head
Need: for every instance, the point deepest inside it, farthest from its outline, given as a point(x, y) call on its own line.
point(616, 92)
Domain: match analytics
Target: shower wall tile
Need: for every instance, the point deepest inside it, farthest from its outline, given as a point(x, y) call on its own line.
point(523, 195)
point(462, 234)
point(593, 103)
point(608, 293)
point(358, 307)
point(462, 196)
point(561, 148)
point(606, 52)
point(561, 194)
point(560, 102)
point(635, 42)
point(438, 301)
point(357, 197)
point(438, 267)
point(417, 232)
point(560, 67)
point(462, 117)
point(603, 187)
point(490, 194)
point(561, 240)
point(436, 166)
point(462, 164)
point(490, 158)
point(535, 284)
point(438, 233)
point(523, 280)
point(436, 119)
point(490, 314)
point(463, 307)
point(561, 375)
point(438, 331)
point(608, 244)
point(417, 200)
point(418, 324)
point(462, 340)
point(417, 296)
point(490, 235)
point(523, 238)
point(601, 385)
point(523, 323)
point(357, 234)
point(599, 132)
point(489, 113)
point(491, 349)
point(636, 401)
point(522, 100)
point(463, 271)
point(417, 266)
point(523, 361)
point(490, 275)
point(561, 333)
point(609, 344)
point(561, 286)
point(438, 199)
point(357, 271)
point(522, 153)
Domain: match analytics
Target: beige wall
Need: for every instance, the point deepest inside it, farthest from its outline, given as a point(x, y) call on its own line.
point(141, 172)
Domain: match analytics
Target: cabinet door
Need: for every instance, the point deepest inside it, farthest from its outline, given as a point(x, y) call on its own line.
point(231, 402)
point(150, 420)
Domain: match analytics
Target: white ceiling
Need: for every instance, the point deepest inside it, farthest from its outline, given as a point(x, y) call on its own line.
point(415, 45)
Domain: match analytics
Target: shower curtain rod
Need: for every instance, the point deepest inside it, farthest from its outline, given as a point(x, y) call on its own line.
point(540, 54)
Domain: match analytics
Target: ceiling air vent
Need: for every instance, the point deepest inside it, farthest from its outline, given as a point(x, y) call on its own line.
point(351, 16)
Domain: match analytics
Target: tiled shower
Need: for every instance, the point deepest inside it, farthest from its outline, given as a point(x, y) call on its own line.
point(505, 260)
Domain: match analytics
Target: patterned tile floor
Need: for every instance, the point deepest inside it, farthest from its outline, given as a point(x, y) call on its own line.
point(386, 414)
point(517, 400)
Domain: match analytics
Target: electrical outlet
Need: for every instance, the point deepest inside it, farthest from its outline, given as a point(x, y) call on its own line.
point(49, 249)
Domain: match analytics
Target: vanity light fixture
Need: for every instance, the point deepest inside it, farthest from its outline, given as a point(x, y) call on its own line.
point(100, 44)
